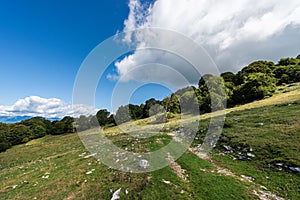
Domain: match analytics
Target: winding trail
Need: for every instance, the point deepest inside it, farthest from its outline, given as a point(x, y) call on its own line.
point(262, 193)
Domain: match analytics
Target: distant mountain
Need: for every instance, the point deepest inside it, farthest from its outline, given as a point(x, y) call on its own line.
point(11, 120)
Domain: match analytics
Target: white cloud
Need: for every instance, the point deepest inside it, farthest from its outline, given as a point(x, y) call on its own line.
point(234, 32)
point(48, 108)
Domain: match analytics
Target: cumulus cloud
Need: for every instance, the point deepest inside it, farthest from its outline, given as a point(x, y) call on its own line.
point(234, 33)
point(49, 108)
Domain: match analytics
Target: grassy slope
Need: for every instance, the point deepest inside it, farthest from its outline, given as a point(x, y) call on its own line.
point(58, 157)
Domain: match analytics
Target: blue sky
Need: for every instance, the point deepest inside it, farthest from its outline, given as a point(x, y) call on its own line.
point(43, 43)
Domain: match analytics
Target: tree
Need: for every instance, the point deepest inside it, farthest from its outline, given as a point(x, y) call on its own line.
point(38, 131)
point(102, 116)
point(259, 67)
point(93, 121)
point(68, 124)
point(123, 115)
point(148, 104)
point(174, 104)
point(4, 143)
point(57, 128)
point(165, 103)
point(255, 67)
point(136, 112)
point(203, 79)
point(189, 102)
point(19, 133)
point(257, 86)
point(228, 76)
point(287, 74)
point(212, 90)
point(38, 125)
point(288, 61)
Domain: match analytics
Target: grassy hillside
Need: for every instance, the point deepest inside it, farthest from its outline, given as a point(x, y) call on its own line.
point(55, 167)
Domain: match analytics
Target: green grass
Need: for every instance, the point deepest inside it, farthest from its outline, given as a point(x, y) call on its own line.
point(58, 157)
point(277, 140)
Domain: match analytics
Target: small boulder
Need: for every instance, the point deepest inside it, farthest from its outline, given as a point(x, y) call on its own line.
point(294, 169)
point(144, 164)
point(116, 194)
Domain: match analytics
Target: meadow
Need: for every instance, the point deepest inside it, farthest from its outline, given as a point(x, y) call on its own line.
point(256, 157)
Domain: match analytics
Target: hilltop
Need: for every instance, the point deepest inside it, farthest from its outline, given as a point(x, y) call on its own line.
point(256, 157)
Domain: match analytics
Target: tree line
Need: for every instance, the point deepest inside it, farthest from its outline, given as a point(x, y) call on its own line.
point(256, 81)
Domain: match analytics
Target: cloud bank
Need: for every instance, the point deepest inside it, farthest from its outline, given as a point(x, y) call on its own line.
point(234, 32)
point(49, 108)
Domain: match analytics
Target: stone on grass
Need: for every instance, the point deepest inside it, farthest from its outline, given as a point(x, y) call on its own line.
point(116, 194)
point(90, 172)
point(91, 155)
point(227, 148)
point(250, 155)
point(166, 182)
point(144, 164)
point(45, 177)
point(294, 169)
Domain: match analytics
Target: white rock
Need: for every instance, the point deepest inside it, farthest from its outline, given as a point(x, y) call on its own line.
point(250, 155)
point(116, 195)
point(91, 155)
point(144, 164)
point(89, 172)
point(14, 187)
point(166, 182)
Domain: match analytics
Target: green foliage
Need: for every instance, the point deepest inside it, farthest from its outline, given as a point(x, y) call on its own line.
point(228, 76)
point(255, 81)
point(148, 104)
point(189, 102)
point(4, 144)
point(174, 104)
point(288, 61)
point(255, 67)
point(38, 126)
point(213, 92)
point(84, 123)
point(259, 67)
point(66, 125)
point(287, 74)
point(136, 112)
point(256, 86)
point(123, 114)
point(18, 134)
point(103, 117)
